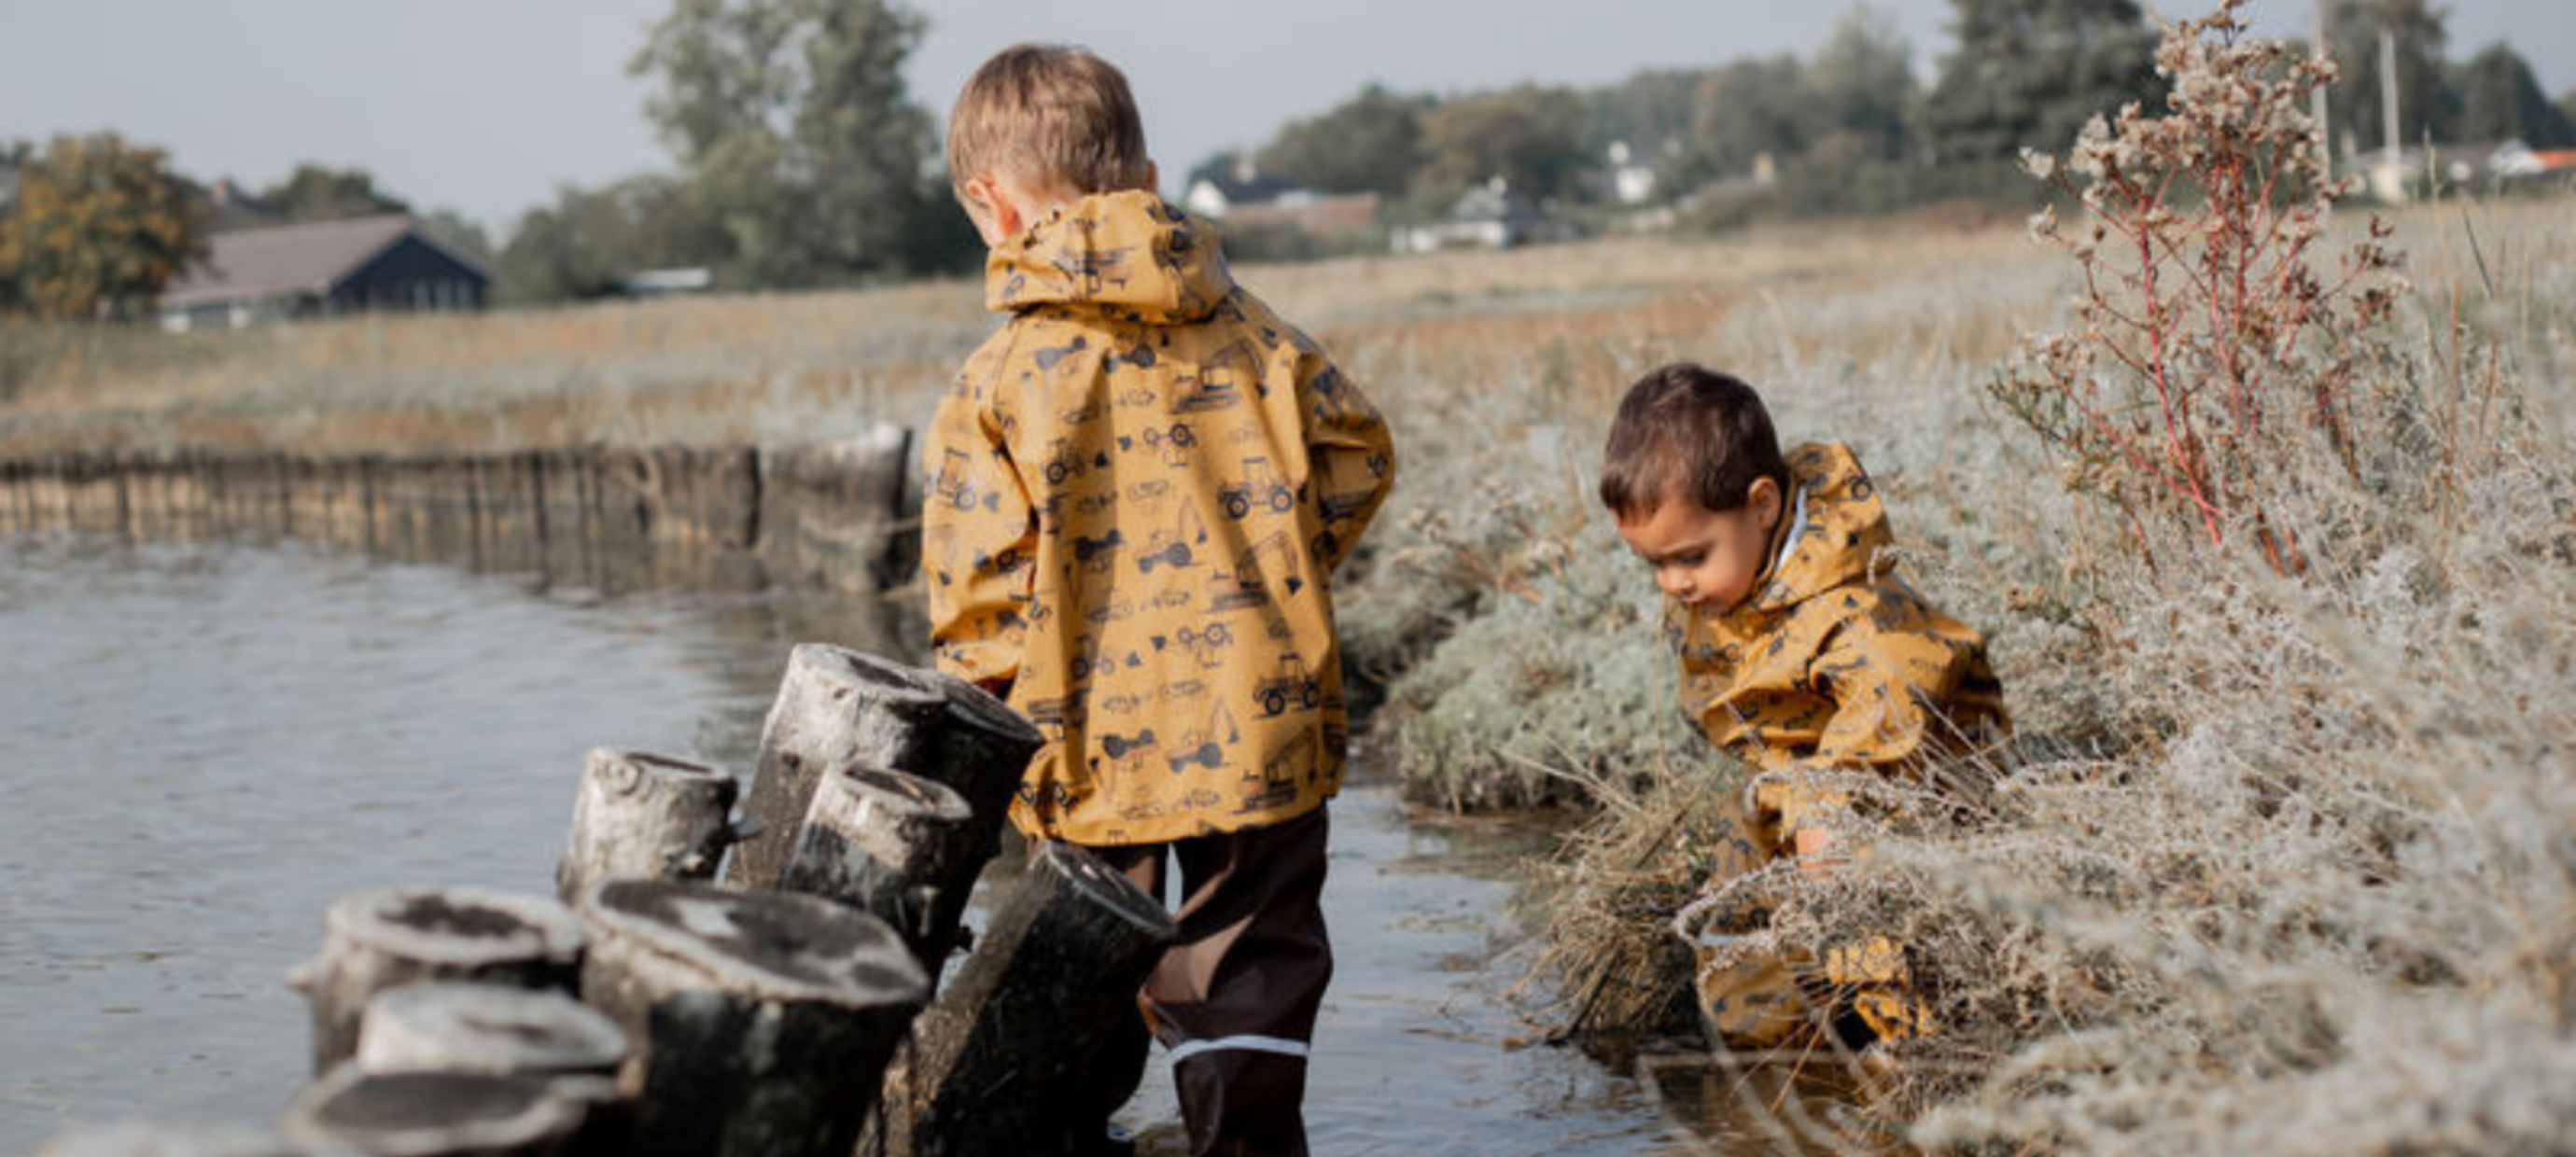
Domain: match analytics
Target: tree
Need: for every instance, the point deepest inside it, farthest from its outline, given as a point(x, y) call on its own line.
point(1371, 143)
point(1651, 111)
point(1529, 136)
point(2029, 73)
point(2500, 99)
point(317, 193)
point(589, 242)
point(793, 131)
point(1743, 111)
point(96, 228)
point(2426, 105)
point(1861, 88)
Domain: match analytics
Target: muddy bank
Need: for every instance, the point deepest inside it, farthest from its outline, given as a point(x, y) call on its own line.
point(827, 517)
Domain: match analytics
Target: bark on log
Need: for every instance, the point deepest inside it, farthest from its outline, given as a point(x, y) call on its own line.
point(436, 1115)
point(459, 1027)
point(647, 817)
point(896, 846)
point(838, 708)
point(993, 1065)
point(757, 1022)
point(377, 940)
point(170, 1141)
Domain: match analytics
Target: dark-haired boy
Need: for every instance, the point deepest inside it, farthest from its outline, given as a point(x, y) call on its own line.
point(1800, 650)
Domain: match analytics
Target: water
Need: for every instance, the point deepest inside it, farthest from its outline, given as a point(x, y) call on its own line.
point(209, 742)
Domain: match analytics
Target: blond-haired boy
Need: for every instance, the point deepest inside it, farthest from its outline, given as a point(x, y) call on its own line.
point(1800, 650)
point(1138, 491)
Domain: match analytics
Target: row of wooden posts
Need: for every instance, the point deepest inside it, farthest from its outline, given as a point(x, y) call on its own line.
point(821, 515)
point(793, 1009)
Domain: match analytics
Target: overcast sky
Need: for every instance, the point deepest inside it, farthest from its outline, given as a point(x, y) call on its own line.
point(487, 106)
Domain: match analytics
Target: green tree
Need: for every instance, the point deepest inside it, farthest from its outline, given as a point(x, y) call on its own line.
point(1743, 111)
point(2500, 99)
point(95, 228)
point(2426, 104)
point(590, 241)
point(2029, 73)
point(318, 193)
point(1651, 111)
point(1371, 143)
point(794, 132)
point(1861, 89)
point(1529, 136)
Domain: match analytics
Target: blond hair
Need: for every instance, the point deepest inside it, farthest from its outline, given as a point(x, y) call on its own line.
point(1051, 115)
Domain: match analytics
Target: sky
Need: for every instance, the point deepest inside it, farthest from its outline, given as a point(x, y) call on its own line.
point(489, 106)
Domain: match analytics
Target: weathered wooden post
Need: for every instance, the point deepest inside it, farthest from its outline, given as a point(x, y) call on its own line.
point(464, 1027)
point(993, 1065)
point(838, 708)
point(170, 1141)
point(758, 1023)
point(376, 940)
point(896, 846)
point(646, 817)
point(435, 1115)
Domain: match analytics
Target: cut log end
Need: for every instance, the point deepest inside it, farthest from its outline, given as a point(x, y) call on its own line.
point(483, 1028)
point(1111, 892)
point(770, 944)
point(458, 927)
point(422, 1114)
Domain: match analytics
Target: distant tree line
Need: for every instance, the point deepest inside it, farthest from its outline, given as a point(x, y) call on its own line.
point(1851, 128)
point(801, 161)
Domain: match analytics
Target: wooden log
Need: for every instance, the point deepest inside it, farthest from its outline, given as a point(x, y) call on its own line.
point(170, 1141)
point(647, 817)
point(436, 1115)
point(464, 1027)
point(377, 940)
point(896, 846)
point(837, 708)
point(757, 1022)
point(995, 1065)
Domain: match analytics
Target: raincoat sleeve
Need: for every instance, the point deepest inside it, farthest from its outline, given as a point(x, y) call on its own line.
point(1884, 682)
point(1350, 459)
point(978, 535)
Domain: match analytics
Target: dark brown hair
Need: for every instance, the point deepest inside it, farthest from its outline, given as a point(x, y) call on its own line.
point(1691, 432)
point(1051, 115)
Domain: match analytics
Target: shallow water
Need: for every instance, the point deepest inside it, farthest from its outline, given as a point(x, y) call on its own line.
point(208, 742)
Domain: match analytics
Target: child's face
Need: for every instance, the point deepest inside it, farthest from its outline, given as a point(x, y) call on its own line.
point(1707, 559)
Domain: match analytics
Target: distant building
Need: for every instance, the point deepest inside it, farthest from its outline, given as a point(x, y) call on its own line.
point(1490, 216)
point(1217, 195)
point(323, 269)
point(1631, 179)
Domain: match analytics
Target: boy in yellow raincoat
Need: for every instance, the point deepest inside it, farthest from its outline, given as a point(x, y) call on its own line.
point(1138, 490)
point(1800, 650)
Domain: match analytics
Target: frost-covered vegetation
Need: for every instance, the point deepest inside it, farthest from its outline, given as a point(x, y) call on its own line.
point(2283, 584)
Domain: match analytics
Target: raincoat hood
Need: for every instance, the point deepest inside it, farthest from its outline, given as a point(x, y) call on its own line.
point(1834, 533)
point(1127, 255)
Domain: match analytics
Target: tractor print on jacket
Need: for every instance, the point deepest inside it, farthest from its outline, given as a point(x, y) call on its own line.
point(1138, 490)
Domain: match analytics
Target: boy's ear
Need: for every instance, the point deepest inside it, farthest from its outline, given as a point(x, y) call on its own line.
point(1153, 176)
point(1764, 497)
point(995, 201)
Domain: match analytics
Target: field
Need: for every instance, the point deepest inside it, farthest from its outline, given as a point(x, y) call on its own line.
point(2279, 864)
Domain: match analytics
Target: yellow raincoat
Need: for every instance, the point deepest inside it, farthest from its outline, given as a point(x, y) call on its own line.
point(1138, 491)
point(1832, 664)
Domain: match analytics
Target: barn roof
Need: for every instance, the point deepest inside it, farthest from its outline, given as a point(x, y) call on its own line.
point(251, 264)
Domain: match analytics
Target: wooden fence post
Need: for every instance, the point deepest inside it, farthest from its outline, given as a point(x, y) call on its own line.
point(837, 708)
point(993, 1066)
point(758, 1023)
point(376, 940)
point(648, 817)
point(896, 846)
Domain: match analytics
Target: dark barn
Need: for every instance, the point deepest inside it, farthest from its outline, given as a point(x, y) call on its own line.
point(323, 269)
